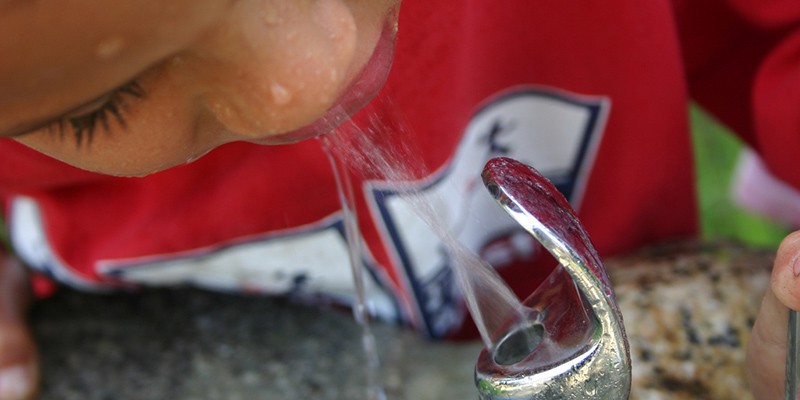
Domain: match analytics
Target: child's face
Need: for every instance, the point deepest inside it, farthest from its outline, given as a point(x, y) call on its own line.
point(184, 75)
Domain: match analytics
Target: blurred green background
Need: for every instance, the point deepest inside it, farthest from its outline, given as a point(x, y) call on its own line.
point(716, 154)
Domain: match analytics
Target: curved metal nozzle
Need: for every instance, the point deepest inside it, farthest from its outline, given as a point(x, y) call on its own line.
point(572, 344)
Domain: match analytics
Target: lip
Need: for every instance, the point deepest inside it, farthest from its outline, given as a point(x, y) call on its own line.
point(360, 91)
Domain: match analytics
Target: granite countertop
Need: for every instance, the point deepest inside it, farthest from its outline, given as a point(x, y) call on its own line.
point(688, 309)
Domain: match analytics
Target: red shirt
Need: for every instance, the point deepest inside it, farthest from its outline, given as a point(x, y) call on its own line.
point(594, 95)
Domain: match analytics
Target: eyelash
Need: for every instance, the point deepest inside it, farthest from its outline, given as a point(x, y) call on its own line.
point(84, 126)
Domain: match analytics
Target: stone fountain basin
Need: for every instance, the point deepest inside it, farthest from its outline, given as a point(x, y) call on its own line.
point(688, 309)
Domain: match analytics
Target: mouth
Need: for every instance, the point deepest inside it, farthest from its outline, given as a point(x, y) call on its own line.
point(360, 91)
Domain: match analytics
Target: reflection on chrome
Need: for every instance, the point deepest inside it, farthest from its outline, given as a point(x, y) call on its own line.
point(573, 344)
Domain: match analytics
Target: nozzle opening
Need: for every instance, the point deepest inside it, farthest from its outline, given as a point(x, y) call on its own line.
point(518, 343)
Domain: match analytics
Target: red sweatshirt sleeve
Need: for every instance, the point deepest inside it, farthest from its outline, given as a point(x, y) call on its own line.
point(743, 65)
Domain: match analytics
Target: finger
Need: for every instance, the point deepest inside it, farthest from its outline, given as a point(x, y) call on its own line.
point(785, 282)
point(766, 350)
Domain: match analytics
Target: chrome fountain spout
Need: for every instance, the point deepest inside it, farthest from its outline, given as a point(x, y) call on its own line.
point(572, 343)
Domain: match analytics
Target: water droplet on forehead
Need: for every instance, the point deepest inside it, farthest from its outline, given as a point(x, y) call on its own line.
point(110, 47)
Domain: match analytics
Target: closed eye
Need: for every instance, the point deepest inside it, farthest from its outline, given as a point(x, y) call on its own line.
point(112, 110)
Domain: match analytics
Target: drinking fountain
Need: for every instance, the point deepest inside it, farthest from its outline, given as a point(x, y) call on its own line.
point(570, 342)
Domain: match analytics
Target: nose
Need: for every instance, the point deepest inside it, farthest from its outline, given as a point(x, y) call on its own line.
point(273, 66)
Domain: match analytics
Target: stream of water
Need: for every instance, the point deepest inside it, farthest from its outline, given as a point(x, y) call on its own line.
point(360, 310)
point(375, 149)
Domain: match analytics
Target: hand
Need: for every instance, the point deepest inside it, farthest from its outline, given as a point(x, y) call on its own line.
point(766, 350)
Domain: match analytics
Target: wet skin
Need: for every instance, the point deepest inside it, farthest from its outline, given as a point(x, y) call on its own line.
point(205, 73)
point(133, 87)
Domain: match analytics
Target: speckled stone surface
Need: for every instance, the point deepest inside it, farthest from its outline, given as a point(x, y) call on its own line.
point(688, 310)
